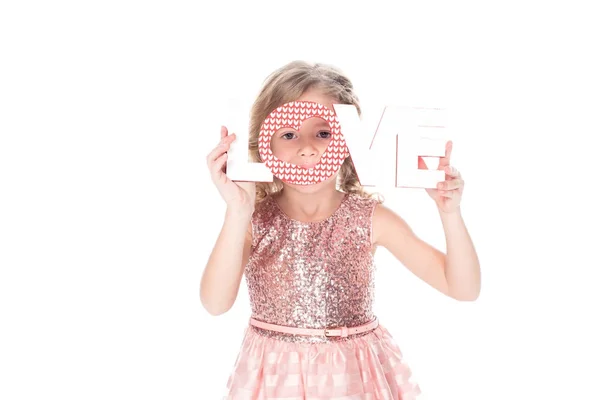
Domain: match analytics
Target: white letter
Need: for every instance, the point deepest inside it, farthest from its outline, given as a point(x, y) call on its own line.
point(238, 166)
point(400, 144)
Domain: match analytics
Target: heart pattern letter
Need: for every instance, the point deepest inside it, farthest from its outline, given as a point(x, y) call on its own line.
point(292, 115)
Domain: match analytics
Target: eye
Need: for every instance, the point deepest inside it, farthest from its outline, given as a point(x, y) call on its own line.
point(325, 135)
point(288, 135)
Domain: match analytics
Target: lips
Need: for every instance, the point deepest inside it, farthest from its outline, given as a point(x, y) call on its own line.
point(308, 166)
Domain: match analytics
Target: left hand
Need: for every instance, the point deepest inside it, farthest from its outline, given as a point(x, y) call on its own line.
point(448, 194)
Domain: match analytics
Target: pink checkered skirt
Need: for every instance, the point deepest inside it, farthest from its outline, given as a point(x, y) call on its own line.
point(366, 367)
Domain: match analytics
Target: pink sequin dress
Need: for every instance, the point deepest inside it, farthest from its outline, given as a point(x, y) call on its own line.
point(316, 275)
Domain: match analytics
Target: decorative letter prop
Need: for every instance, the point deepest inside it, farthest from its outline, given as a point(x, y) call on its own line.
point(239, 167)
point(392, 161)
point(400, 128)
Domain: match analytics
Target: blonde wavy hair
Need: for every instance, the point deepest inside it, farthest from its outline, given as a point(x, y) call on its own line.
point(288, 83)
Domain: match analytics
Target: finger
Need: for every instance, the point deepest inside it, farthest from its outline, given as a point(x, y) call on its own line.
point(445, 161)
point(221, 148)
point(449, 145)
point(223, 131)
point(451, 184)
point(214, 154)
point(455, 184)
point(218, 167)
point(452, 171)
point(227, 140)
point(447, 193)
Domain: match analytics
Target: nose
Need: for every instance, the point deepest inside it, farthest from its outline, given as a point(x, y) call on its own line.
point(307, 149)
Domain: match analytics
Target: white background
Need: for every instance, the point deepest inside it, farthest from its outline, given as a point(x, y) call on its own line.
point(108, 216)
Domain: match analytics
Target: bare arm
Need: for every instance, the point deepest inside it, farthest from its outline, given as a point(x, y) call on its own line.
point(463, 271)
point(422, 259)
point(455, 274)
point(223, 273)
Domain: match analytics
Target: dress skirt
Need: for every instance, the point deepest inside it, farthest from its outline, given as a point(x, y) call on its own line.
point(366, 367)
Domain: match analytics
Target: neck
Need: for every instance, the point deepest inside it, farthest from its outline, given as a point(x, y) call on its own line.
point(309, 205)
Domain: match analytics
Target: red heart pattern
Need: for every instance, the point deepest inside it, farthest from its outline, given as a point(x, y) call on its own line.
point(292, 115)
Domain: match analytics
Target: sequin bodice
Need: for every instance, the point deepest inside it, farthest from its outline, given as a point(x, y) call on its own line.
point(312, 274)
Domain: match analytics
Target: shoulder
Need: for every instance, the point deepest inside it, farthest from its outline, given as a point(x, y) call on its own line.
point(262, 218)
point(264, 210)
point(362, 205)
point(364, 202)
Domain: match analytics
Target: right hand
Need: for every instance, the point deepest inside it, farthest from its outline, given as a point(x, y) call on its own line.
point(239, 196)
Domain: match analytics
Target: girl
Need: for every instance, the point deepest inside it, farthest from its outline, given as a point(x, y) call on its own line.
point(307, 254)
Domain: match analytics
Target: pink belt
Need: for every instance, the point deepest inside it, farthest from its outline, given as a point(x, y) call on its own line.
point(343, 331)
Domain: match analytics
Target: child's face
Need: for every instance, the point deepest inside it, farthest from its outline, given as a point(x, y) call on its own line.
point(304, 147)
